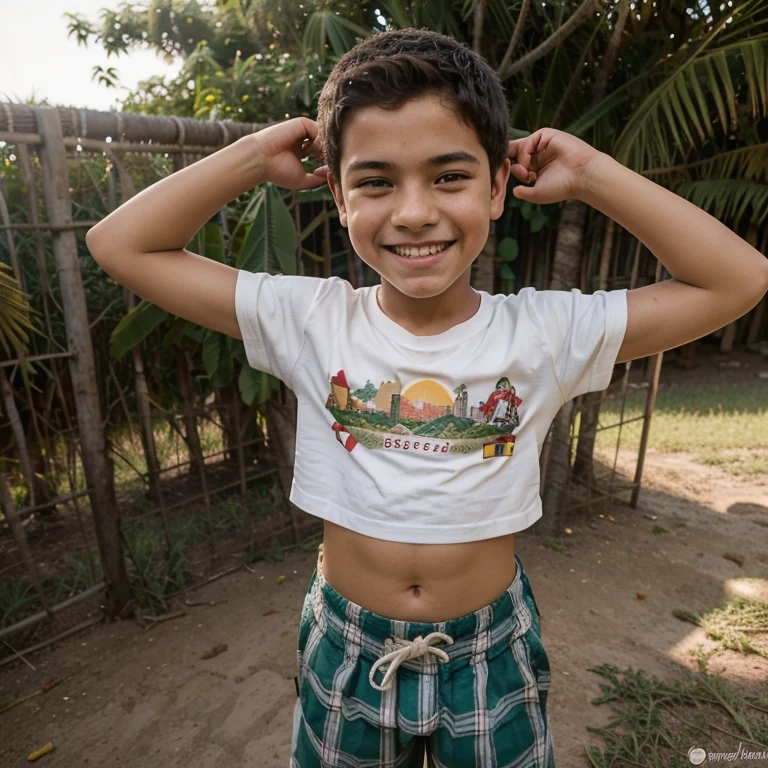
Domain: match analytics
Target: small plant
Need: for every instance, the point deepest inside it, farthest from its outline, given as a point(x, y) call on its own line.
point(228, 515)
point(85, 573)
point(655, 723)
point(156, 576)
point(190, 530)
point(273, 554)
point(18, 600)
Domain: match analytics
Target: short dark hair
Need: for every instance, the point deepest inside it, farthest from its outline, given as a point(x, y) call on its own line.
point(390, 68)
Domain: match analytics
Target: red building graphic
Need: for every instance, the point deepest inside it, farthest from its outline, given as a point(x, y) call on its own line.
point(422, 411)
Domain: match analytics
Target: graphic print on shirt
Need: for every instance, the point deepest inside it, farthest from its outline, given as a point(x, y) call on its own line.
point(423, 417)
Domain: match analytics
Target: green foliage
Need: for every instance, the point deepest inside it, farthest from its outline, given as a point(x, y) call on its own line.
point(727, 428)
point(271, 554)
point(656, 722)
point(246, 60)
point(15, 317)
point(135, 327)
point(85, 572)
point(17, 599)
point(156, 576)
point(324, 28)
point(508, 250)
point(270, 243)
point(256, 386)
point(217, 358)
point(728, 199)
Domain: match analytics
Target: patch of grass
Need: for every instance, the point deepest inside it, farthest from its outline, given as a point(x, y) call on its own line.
point(154, 576)
point(228, 515)
point(86, 571)
point(657, 723)
point(18, 599)
point(726, 428)
point(742, 625)
point(272, 554)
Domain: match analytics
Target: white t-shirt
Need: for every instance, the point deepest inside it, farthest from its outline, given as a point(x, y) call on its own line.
point(425, 439)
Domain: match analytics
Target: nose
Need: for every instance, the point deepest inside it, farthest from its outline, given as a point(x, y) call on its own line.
point(414, 208)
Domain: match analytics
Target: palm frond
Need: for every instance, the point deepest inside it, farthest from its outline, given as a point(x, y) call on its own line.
point(677, 108)
point(325, 29)
point(728, 199)
point(14, 313)
point(750, 162)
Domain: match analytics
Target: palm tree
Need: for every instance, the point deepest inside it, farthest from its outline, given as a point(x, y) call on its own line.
point(676, 102)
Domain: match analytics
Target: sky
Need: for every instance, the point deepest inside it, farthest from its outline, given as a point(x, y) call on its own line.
point(37, 58)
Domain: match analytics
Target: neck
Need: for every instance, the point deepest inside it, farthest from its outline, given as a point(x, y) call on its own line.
point(433, 315)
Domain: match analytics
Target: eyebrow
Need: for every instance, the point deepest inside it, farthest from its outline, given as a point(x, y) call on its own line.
point(383, 165)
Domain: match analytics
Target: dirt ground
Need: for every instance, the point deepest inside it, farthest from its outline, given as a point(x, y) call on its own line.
point(138, 699)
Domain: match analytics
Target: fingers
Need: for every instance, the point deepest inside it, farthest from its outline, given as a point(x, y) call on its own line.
point(314, 179)
point(313, 149)
point(527, 150)
point(311, 145)
point(310, 127)
point(521, 173)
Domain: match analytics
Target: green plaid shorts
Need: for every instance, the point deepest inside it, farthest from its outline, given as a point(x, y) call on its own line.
point(478, 702)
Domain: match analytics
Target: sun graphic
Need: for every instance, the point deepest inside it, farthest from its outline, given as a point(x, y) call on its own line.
point(428, 391)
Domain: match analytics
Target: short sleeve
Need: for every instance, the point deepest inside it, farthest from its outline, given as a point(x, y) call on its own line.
point(585, 333)
point(272, 311)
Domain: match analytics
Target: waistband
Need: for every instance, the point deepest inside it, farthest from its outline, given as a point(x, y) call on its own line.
point(389, 640)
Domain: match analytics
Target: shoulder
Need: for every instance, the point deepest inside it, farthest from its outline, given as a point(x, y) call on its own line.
point(568, 302)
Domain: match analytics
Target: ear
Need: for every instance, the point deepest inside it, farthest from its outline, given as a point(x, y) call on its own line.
point(499, 189)
point(338, 198)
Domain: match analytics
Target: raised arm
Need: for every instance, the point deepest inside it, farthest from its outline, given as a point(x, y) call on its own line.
point(142, 244)
point(717, 275)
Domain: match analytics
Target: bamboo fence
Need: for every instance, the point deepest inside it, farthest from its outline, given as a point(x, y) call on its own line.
point(46, 141)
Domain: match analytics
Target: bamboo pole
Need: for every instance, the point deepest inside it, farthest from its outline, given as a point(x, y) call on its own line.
point(97, 465)
point(212, 492)
point(87, 124)
point(240, 454)
point(35, 358)
point(650, 404)
point(20, 538)
point(38, 617)
point(11, 244)
point(20, 438)
point(128, 190)
point(192, 438)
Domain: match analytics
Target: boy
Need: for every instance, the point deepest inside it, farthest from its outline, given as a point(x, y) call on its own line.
point(423, 403)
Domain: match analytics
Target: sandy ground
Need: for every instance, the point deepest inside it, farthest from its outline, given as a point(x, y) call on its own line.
point(138, 699)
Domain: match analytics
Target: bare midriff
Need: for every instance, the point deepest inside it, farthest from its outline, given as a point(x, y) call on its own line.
point(417, 582)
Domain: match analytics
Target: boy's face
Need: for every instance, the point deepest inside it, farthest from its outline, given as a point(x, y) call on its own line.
point(397, 190)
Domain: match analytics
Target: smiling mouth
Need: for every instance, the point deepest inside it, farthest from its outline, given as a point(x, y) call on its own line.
point(420, 253)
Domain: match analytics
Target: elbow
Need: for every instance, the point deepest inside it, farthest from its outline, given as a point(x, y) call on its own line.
point(94, 242)
point(758, 287)
point(90, 240)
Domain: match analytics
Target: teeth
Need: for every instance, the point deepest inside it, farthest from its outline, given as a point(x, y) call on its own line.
point(414, 253)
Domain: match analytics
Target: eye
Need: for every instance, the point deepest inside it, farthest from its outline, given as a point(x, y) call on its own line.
point(454, 177)
point(371, 182)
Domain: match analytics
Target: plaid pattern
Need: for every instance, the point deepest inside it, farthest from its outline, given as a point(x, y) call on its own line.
point(484, 708)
